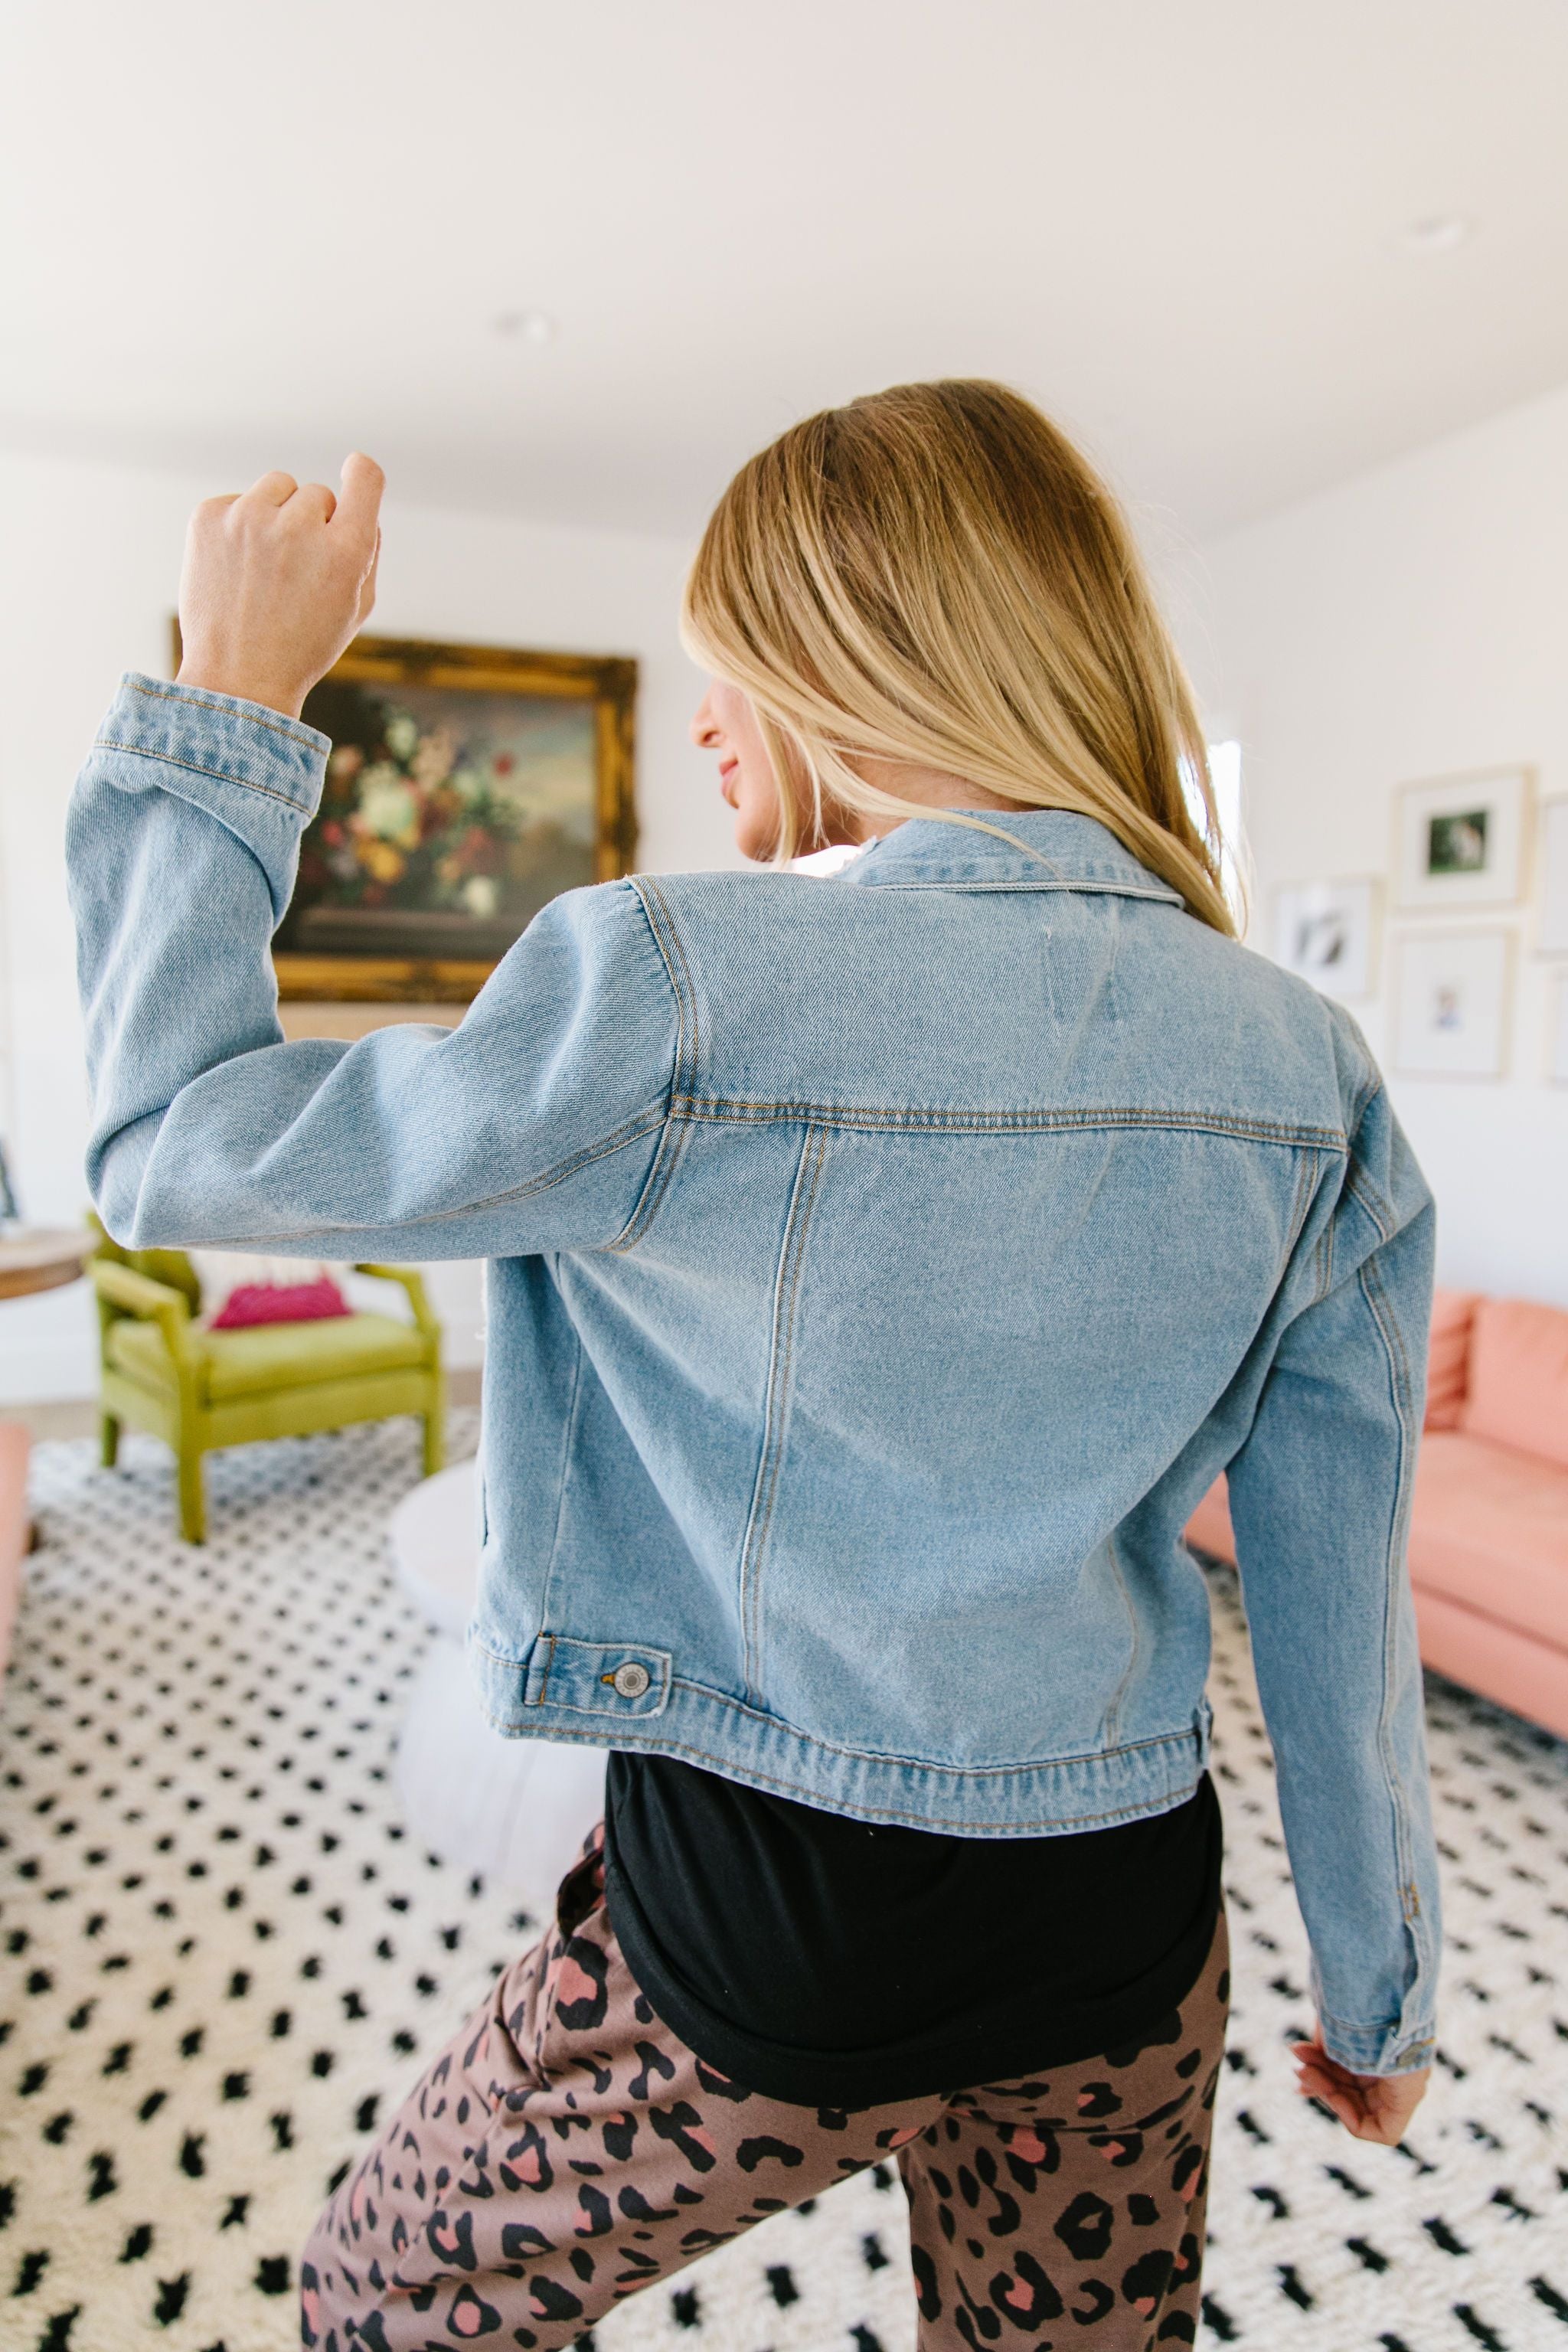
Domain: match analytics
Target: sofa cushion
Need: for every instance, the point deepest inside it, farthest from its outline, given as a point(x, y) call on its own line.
point(1447, 1364)
point(1516, 1670)
point(1517, 1392)
point(14, 1449)
point(272, 1355)
point(1490, 1529)
point(1209, 1527)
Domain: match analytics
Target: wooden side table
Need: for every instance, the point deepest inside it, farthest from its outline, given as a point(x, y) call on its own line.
point(41, 1258)
point(32, 1259)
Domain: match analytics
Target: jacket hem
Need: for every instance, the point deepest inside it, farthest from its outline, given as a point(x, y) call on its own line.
point(704, 1727)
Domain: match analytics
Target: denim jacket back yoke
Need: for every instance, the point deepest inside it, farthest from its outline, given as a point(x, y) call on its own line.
point(881, 1267)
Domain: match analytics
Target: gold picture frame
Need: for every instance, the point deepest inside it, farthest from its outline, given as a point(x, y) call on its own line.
point(571, 818)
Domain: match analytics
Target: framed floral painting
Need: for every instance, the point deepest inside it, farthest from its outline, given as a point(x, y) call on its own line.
point(466, 785)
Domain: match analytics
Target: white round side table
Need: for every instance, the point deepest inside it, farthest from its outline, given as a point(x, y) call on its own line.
point(515, 1810)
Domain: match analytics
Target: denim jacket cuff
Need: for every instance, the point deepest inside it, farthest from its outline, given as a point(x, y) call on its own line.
point(219, 738)
point(1380, 2049)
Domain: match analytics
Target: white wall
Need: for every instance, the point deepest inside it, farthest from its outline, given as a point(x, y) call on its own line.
point(90, 560)
point(1410, 623)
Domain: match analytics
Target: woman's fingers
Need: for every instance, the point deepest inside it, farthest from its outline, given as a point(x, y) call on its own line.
point(277, 582)
point(367, 590)
point(359, 502)
point(315, 500)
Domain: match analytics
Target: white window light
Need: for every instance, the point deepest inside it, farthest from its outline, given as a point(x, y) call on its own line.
point(1225, 781)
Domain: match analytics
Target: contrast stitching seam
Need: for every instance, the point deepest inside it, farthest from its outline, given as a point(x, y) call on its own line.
point(654, 913)
point(567, 1433)
point(723, 1107)
point(668, 1152)
point(1364, 1191)
point(1114, 1712)
point(671, 1144)
point(196, 702)
point(1367, 2026)
point(652, 891)
point(792, 1260)
point(1323, 1254)
point(1079, 882)
point(608, 1709)
point(1306, 1171)
point(1388, 1332)
point(194, 768)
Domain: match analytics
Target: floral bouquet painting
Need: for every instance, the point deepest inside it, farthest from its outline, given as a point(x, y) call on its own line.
point(451, 813)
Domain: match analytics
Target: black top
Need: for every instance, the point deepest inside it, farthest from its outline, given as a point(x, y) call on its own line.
point(849, 1964)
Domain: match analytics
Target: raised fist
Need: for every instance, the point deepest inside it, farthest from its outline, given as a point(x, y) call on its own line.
point(277, 582)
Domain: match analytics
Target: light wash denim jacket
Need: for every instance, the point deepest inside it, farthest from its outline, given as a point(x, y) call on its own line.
point(882, 1265)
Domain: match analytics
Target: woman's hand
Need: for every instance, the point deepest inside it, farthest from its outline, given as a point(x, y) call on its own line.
point(1373, 2106)
point(276, 583)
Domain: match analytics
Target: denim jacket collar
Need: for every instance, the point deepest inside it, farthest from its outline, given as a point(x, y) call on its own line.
point(1050, 849)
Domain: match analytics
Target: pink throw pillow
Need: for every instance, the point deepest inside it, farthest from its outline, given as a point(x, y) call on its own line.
point(1519, 1378)
point(1448, 1364)
point(277, 1302)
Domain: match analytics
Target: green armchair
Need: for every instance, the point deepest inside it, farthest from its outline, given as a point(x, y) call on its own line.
point(199, 1389)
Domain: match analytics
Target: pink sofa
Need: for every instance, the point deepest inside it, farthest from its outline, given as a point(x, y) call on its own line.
point(14, 1447)
point(1488, 1537)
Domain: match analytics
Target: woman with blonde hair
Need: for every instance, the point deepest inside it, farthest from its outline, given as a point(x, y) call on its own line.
point(884, 1263)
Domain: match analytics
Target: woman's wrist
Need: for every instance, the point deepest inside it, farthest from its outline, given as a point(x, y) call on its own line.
point(222, 678)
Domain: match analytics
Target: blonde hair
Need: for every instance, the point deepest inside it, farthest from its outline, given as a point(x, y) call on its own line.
point(934, 575)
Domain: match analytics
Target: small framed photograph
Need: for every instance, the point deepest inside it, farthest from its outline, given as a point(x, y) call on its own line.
point(1326, 932)
point(1551, 937)
point(1557, 1069)
point(1451, 1004)
point(1461, 841)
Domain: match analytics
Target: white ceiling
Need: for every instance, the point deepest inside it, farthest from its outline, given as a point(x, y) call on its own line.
point(236, 235)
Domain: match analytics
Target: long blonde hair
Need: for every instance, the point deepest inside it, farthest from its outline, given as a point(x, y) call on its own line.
point(934, 575)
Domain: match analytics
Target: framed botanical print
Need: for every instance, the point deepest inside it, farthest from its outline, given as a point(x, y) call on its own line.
point(1326, 932)
point(1551, 936)
point(466, 785)
point(1557, 1047)
point(1462, 840)
point(1451, 1004)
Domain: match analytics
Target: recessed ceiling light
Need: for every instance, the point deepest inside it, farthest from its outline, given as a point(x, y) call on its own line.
point(528, 326)
point(1438, 233)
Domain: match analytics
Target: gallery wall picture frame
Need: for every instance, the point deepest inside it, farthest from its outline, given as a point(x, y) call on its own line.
point(1557, 1032)
point(1453, 994)
point(1461, 842)
point(1326, 932)
point(467, 786)
point(1551, 930)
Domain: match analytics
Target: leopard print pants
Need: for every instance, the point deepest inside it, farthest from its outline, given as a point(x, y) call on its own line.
point(566, 2150)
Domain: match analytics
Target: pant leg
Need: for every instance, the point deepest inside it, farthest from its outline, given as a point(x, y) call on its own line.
point(565, 2150)
point(1077, 2199)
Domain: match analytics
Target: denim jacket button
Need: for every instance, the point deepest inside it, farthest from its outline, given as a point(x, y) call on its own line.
point(631, 1679)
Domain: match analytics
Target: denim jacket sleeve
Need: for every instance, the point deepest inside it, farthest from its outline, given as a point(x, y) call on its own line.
point(1321, 1499)
point(531, 1127)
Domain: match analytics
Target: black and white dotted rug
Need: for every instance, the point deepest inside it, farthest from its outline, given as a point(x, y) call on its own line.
point(224, 1955)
